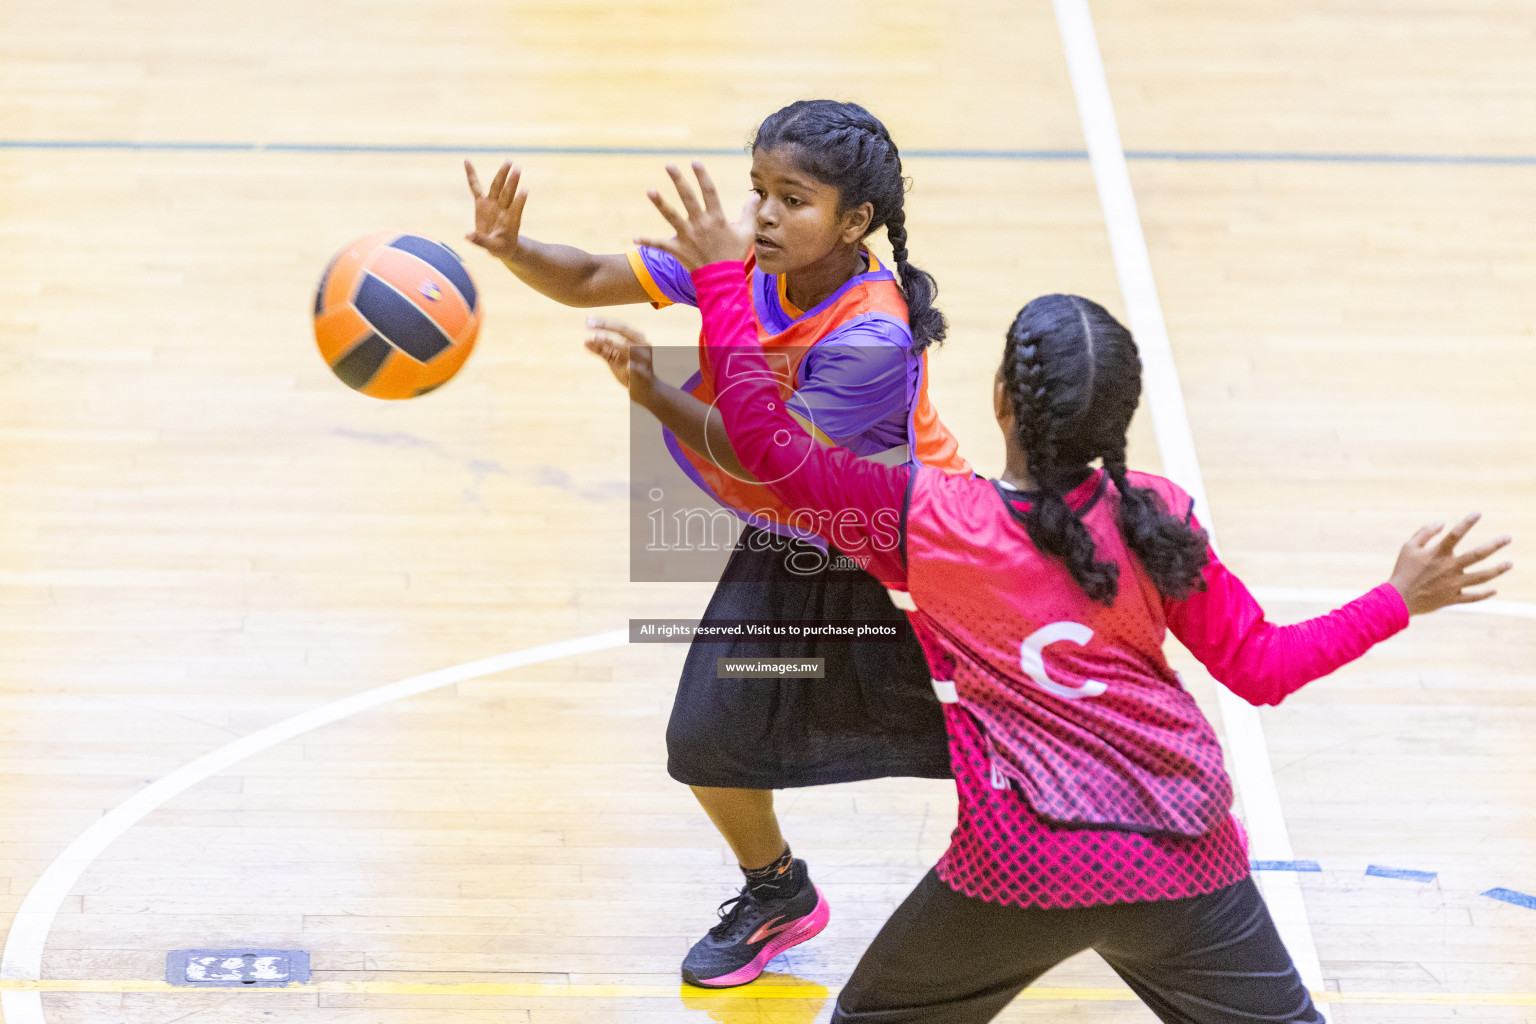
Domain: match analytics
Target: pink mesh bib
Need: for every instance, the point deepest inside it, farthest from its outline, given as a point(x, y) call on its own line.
point(1081, 713)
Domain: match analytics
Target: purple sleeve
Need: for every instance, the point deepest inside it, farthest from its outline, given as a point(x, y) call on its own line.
point(856, 381)
point(847, 496)
point(1224, 627)
point(663, 277)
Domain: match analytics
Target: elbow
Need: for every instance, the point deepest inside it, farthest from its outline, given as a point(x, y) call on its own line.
point(750, 465)
point(587, 290)
point(1256, 688)
point(1259, 692)
point(584, 295)
point(572, 296)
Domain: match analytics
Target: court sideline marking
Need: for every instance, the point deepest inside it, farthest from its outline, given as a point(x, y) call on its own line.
point(1331, 596)
point(22, 959)
point(21, 981)
point(23, 956)
point(1246, 749)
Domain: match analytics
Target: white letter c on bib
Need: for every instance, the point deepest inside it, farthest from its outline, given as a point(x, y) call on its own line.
point(1033, 663)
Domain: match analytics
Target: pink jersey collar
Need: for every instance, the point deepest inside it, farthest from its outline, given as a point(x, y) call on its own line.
point(1079, 499)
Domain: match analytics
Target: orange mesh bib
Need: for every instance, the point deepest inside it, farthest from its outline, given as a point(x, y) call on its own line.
point(876, 297)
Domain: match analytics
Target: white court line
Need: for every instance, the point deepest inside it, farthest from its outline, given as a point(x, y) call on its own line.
point(23, 957)
point(1246, 749)
point(1319, 595)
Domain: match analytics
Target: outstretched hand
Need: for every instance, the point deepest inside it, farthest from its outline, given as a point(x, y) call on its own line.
point(498, 212)
point(626, 352)
point(704, 236)
point(1430, 574)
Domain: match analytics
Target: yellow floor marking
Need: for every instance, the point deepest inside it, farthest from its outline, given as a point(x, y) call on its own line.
point(758, 991)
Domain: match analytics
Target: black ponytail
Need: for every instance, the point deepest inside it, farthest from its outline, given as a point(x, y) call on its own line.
point(1171, 550)
point(845, 146)
point(928, 324)
point(1074, 380)
point(1044, 410)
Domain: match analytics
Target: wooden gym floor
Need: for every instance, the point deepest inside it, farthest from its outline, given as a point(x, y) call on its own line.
point(203, 534)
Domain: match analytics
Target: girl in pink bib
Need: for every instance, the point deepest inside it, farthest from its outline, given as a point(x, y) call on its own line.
point(1094, 808)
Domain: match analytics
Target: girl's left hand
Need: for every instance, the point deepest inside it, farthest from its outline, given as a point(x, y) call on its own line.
point(626, 352)
point(704, 236)
point(1430, 574)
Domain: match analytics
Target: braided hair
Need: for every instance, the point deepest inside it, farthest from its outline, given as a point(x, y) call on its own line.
point(845, 146)
point(1073, 378)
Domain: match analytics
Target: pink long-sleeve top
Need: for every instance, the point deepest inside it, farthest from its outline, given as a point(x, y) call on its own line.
point(1086, 774)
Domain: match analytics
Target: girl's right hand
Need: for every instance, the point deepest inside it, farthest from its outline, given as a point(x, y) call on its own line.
point(498, 212)
point(1430, 574)
point(704, 235)
point(627, 354)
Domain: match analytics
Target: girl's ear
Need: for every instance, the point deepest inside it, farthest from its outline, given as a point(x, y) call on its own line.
point(856, 222)
point(1002, 408)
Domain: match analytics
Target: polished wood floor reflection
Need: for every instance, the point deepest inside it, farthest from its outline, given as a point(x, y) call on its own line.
point(202, 533)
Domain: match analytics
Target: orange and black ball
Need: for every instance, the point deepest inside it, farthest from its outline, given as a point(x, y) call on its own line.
point(396, 315)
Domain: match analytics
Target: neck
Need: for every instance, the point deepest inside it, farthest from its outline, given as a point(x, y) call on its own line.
point(1016, 470)
point(813, 284)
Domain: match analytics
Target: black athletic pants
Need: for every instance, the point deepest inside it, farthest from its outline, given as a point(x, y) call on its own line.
point(1212, 959)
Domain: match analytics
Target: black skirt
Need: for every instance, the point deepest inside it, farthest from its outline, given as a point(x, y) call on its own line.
point(873, 715)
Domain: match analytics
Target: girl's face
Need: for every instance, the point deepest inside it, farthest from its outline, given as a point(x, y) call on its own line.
point(798, 221)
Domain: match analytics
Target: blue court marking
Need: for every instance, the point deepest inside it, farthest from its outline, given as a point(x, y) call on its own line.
point(360, 147)
point(1405, 874)
point(1284, 865)
point(122, 144)
point(1016, 155)
point(1519, 899)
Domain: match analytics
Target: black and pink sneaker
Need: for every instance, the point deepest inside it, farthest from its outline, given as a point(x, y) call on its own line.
point(751, 932)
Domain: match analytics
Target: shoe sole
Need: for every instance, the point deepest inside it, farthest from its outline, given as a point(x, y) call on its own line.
point(808, 927)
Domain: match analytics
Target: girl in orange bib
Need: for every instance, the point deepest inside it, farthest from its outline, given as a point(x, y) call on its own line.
point(847, 337)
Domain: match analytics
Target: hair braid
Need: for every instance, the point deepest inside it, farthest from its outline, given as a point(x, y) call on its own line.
point(1074, 380)
point(1171, 549)
point(929, 324)
point(1039, 417)
point(896, 232)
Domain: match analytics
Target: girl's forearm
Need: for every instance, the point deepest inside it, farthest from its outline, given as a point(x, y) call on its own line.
point(1226, 629)
point(854, 503)
point(690, 420)
point(575, 277)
